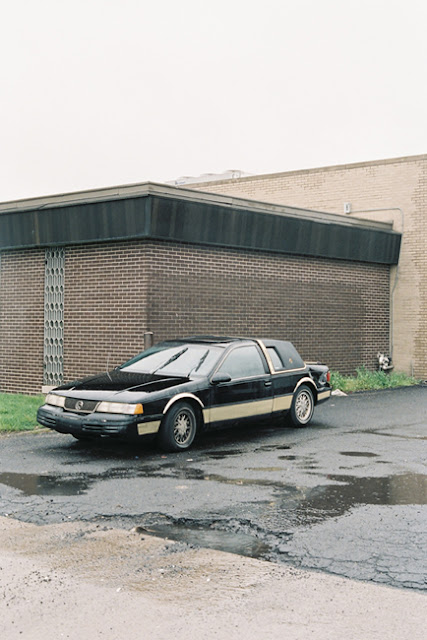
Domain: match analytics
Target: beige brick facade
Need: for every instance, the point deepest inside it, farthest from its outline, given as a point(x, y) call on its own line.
point(398, 189)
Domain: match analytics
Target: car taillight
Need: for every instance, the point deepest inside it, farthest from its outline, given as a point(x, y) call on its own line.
point(328, 376)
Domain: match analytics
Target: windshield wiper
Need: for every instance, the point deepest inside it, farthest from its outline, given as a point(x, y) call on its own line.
point(199, 364)
point(171, 359)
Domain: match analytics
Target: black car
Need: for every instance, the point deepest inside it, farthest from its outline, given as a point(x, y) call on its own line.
point(178, 388)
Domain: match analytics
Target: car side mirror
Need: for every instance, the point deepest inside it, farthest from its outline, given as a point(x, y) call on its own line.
point(220, 377)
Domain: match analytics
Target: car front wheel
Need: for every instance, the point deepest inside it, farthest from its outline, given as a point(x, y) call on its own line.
point(302, 406)
point(178, 428)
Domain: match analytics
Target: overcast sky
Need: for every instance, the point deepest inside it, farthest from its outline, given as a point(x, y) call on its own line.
point(106, 92)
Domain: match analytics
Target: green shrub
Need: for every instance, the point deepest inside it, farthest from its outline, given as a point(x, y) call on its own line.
point(368, 380)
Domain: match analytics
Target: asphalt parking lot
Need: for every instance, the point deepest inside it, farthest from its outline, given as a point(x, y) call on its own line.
point(346, 495)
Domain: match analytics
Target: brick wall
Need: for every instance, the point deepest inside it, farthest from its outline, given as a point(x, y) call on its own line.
point(105, 306)
point(21, 320)
point(335, 311)
point(392, 183)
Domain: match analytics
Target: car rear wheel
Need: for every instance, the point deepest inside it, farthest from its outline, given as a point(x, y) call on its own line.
point(178, 428)
point(302, 406)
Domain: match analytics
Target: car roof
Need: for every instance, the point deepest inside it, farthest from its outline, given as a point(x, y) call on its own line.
point(212, 340)
point(226, 341)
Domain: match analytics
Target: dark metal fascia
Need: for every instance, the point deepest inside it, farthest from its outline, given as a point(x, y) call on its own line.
point(91, 222)
point(210, 224)
point(197, 222)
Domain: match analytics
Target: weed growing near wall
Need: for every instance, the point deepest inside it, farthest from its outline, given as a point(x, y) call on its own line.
point(370, 380)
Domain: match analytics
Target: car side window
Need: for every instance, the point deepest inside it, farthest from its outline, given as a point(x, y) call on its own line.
point(243, 362)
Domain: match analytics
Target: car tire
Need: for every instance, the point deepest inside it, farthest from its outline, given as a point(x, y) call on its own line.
point(302, 406)
point(179, 427)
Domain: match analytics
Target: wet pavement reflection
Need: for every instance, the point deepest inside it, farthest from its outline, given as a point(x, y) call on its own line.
point(44, 485)
point(211, 536)
point(281, 494)
point(300, 506)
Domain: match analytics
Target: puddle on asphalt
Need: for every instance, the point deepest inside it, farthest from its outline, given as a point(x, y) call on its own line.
point(265, 469)
point(333, 500)
point(292, 507)
point(408, 488)
point(271, 447)
point(209, 537)
point(44, 485)
point(359, 454)
point(220, 455)
point(299, 507)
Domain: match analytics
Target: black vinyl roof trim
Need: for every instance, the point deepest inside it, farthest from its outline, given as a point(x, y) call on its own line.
point(202, 219)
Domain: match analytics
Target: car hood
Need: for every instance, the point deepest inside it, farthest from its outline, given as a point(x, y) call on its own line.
point(118, 380)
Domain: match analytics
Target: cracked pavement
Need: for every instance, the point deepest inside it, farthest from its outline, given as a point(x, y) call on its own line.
point(346, 495)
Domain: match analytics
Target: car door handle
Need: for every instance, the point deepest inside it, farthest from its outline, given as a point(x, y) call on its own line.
point(267, 383)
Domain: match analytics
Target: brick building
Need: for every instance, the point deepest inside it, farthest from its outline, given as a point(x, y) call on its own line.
point(393, 190)
point(84, 276)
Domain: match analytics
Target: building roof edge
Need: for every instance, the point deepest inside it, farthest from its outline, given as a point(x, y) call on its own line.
point(335, 167)
point(145, 189)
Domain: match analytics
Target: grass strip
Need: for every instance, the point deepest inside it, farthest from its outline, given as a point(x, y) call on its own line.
point(18, 412)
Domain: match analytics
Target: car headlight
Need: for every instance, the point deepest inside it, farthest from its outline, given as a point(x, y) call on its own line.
point(120, 407)
point(56, 401)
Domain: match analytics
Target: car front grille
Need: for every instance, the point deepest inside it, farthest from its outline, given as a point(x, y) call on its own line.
point(80, 406)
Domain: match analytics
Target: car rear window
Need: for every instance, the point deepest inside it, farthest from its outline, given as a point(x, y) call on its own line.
point(275, 358)
point(284, 356)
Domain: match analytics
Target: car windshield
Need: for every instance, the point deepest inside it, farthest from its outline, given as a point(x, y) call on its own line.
point(175, 359)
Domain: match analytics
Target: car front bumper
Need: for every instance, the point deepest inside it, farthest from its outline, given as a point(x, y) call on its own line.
point(97, 424)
